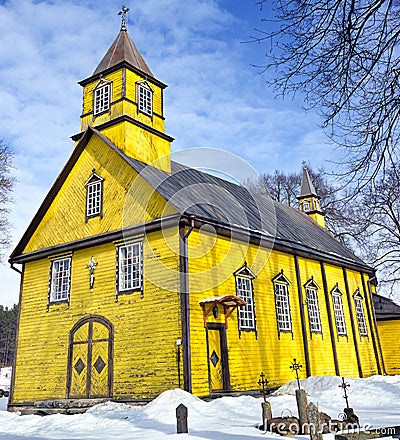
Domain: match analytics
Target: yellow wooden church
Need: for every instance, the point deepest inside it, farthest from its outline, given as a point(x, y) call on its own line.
point(139, 274)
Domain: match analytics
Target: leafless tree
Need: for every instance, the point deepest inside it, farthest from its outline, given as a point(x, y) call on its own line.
point(344, 56)
point(6, 186)
point(374, 228)
point(368, 223)
point(285, 187)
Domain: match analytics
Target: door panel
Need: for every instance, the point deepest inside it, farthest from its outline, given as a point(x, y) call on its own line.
point(99, 373)
point(81, 334)
point(215, 360)
point(218, 362)
point(79, 370)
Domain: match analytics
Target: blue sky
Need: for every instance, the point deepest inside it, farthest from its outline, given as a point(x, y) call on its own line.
point(215, 98)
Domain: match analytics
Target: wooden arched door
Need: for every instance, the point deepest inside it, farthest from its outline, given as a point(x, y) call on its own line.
point(90, 358)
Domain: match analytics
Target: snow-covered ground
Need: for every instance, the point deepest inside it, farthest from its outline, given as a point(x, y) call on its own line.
point(376, 401)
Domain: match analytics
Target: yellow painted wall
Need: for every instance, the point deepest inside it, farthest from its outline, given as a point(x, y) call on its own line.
point(344, 344)
point(146, 328)
point(320, 344)
point(139, 143)
point(248, 355)
point(390, 343)
point(251, 353)
point(365, 344)
point(127, 200)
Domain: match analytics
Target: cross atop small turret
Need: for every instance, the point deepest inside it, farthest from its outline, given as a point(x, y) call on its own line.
point(123, 12)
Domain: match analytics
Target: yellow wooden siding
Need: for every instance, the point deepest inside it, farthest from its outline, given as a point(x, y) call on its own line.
point(346, 351)
point(145, 329)
point(140, 144)
point(132, 79)
point(390, 342)
point(268, 352)
point(320, 345)
point(116, 79)
point(248, 355)
point(127, 200)
point(365, 343)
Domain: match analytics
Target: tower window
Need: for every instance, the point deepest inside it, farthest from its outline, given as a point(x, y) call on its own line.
point(94, 196)
point(306, 206)
point(60, 279)
point(102, 98)
point(145, 99)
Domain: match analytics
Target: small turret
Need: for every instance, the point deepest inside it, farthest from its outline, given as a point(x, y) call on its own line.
point(124, 101)
point(309, 200)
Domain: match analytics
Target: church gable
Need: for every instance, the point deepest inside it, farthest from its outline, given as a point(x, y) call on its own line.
point(101, 193)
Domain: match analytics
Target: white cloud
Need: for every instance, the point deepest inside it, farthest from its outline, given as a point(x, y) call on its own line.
point(215, 99)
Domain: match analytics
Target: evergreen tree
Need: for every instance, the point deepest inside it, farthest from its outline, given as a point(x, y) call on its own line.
point(8, 331)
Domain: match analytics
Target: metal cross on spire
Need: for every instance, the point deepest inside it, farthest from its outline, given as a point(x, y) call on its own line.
point(124, 12)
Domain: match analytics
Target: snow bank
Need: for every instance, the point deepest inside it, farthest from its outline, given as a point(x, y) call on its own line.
point(312, 385)
point(374, 390)
point(375, 400)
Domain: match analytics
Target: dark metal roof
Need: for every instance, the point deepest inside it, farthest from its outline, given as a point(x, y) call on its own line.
point(196, 193)
point(385, 308)
point(123, 49)
point(225, 205)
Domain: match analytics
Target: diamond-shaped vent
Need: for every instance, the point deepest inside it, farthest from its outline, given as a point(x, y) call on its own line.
point(214, 358)
point(79, 366)
point(99, 364)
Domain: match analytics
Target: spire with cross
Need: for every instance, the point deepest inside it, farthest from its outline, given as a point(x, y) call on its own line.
point(124, 19)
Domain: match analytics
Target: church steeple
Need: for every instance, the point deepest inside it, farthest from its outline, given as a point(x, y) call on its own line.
point(309, 200)
point(122, 50)
point(123, 99)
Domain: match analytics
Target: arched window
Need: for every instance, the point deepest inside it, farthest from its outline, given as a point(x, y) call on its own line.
point(358, 302)
point(314, 317)
point(338, 311)
point(282, 303)
point(102, 97)
point(94, 196)
point(145, 98)
point(244, 290)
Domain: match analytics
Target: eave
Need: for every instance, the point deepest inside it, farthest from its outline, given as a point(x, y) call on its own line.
point(119, 66)
point(125, 118)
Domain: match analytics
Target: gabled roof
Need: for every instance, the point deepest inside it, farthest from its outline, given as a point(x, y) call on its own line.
point(307, 187)
point(219, 202)
point(123, 49)
point(385, 308)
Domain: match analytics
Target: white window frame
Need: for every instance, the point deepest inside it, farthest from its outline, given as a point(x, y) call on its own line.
point(306, 206)
point(145, 98)
point(130, 267)
point(339, 312)
point(282, 303)
point(362, 323)
point(244, 290)
point(314, 317)
point(102, 98)
point(60, 280)
point(94, 196)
